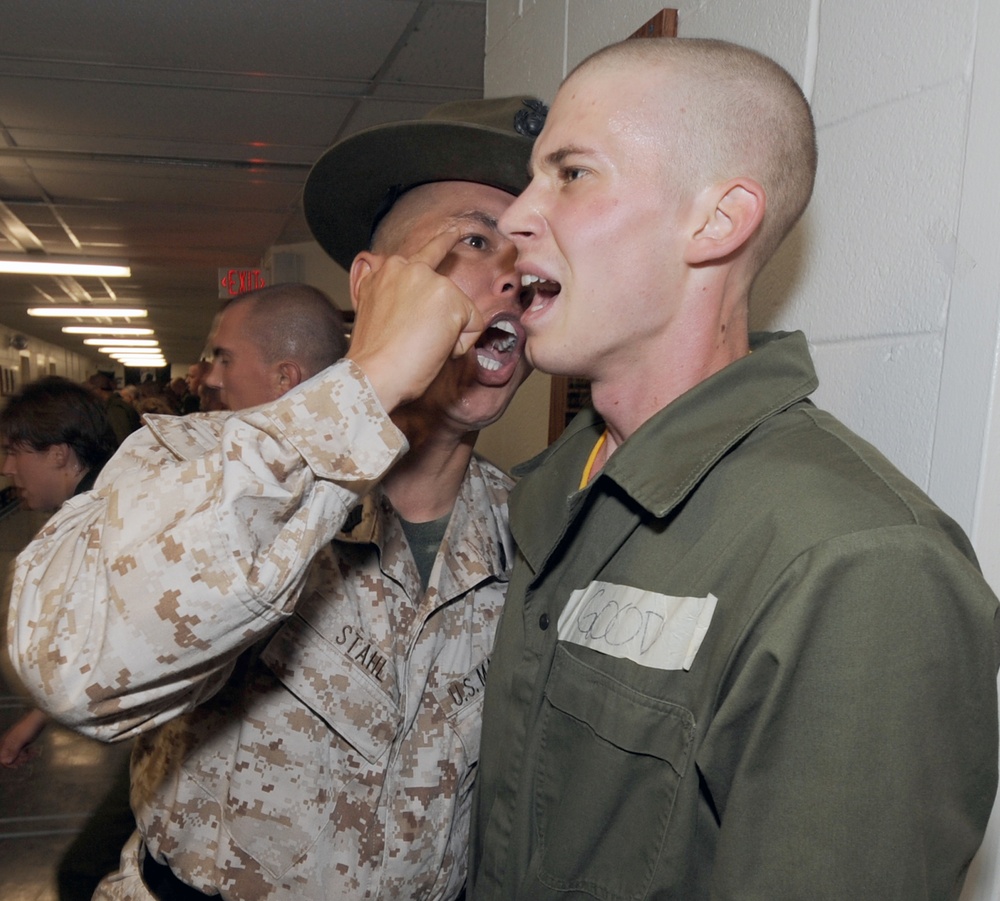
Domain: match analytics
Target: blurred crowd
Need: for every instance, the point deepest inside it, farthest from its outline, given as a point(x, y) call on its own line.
point(181, 395)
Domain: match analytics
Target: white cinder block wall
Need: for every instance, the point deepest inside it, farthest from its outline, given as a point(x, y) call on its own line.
point(894, 273)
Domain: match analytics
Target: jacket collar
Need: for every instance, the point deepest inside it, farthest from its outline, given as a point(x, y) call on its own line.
point(476, 545)
point(671, 452)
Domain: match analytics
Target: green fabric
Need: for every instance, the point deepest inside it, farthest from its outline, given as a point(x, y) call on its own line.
point(424, 539)
point(836, 734)
point(122, 417)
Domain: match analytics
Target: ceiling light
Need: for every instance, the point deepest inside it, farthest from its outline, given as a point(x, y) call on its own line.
point(89, 312)
point(130, 349)
point(122, 342)
point(105, 330)
point(123, 352)
point(143, 362)
point(33, 264)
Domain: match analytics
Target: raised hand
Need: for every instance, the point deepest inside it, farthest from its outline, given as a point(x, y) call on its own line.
point(410, 319)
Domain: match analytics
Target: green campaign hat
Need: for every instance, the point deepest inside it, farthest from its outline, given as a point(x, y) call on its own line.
point(356, 181)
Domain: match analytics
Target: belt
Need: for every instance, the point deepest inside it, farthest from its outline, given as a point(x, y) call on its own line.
point(164, 885)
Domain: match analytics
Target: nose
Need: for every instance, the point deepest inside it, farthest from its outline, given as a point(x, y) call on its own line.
point(506, 281)
point(8, 468)
point(214, 377)
point(522, 219)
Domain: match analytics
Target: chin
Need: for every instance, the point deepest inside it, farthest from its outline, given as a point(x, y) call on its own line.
point(476, 416)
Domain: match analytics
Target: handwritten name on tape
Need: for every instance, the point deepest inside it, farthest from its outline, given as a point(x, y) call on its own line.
point(655, 630)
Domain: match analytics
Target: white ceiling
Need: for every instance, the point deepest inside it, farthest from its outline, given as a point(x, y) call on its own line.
point(177, 134)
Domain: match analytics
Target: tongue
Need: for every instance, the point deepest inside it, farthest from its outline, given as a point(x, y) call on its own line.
point(496, 356)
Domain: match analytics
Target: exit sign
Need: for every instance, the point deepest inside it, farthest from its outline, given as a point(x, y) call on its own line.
point(239, 281)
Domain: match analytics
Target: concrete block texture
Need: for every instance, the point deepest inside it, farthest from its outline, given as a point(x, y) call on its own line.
point(778, 28)
point(882, 252)
point(530, 58)
point(501, 15)
point(886, 390)
point(873, 54)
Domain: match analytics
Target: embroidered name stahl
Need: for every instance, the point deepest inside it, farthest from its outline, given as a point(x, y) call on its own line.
point(367, 654)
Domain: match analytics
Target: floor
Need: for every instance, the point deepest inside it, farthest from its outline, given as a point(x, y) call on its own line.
point(45, 803)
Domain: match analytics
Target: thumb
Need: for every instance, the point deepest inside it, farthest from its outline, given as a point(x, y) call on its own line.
point(471, 330)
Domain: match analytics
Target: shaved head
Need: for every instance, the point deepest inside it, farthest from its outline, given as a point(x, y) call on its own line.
point(727, 111)
point(294, 322)
point(394, 226)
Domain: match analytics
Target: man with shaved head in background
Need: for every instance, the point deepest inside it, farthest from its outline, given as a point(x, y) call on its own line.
point(742, 657)
point(266, 342)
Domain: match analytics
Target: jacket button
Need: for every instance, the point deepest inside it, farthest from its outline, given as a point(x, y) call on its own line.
point(543, 621)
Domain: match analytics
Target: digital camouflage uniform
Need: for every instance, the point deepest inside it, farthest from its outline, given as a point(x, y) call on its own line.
point(289, 747)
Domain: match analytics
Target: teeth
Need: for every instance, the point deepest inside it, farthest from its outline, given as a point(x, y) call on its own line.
point(488, 362)
point(527, 280)
point(505, 326)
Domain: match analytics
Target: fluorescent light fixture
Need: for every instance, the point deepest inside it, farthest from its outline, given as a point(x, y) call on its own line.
point(35, 264)
point(105, 330)
point(130, 350)
point(121, 342)
point(89, 312)
point(143, 362)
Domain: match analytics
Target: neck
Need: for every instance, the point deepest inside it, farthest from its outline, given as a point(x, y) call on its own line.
point(74, 473)
point(692, 350)
point(424, 485)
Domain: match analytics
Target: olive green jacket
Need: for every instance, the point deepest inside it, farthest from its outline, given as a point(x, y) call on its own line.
point(751, 660)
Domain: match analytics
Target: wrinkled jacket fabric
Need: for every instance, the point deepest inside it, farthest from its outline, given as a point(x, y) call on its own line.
point(749, 661)
point(238, 593)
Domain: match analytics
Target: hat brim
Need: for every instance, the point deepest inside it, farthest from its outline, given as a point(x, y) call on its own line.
point(348, 184)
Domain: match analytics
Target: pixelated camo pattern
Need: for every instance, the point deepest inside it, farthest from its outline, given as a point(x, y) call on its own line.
point(329, 714)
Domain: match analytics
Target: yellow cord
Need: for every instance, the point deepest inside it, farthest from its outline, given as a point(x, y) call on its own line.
point(592, 458)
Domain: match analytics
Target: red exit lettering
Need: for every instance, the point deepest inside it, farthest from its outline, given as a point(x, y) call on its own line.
point(239, 281)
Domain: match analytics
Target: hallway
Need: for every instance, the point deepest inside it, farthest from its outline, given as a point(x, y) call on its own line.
point(44, 803)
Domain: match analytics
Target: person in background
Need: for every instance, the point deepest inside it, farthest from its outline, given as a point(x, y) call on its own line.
point(191, 403)
point(266, 342)
point(161, 402)
point(742, 656)
point(55, 438)
point(323, 572)
point(121, 415)
point(130, 394)
point(175, 393)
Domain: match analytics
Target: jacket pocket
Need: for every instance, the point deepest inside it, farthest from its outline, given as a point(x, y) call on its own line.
point(601, 822)
point(314, 731)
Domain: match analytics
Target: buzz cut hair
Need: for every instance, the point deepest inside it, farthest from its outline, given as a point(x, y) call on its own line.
point(745, 115)
point(293, 321)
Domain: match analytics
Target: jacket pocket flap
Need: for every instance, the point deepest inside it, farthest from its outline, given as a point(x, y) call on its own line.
point(626, 718)
point(341, 691)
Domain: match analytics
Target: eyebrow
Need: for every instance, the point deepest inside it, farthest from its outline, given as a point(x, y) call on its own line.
point(485, 220)
point(557, 157)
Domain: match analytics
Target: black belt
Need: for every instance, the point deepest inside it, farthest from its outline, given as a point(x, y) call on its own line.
point(162, 882)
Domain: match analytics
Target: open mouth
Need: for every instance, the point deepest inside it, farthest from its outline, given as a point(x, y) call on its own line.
point(537, 292)
point(499, 350)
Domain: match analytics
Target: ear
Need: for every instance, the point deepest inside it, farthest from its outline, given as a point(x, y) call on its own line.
point(728, 215)
point(365, 263)
point(61, 455)
point(289, 375)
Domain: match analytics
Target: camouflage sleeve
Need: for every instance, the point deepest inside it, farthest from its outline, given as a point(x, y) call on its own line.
point(133, 602)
